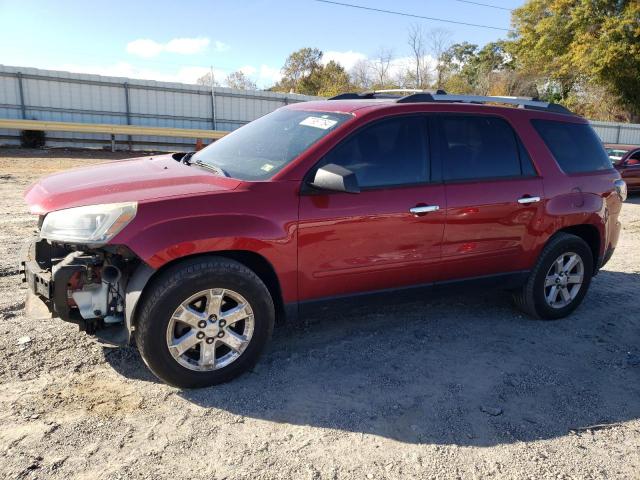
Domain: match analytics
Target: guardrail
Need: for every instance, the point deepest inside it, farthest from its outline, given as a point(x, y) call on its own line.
point(111, 129)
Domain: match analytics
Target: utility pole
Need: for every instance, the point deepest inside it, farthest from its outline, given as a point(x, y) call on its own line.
point(213, 102)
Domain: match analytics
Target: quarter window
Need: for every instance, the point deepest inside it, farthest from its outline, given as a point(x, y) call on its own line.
point(575, 146)
point(477, 147)
point(388, 152)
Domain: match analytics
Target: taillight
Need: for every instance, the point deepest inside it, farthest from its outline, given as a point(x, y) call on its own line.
point(621, 189)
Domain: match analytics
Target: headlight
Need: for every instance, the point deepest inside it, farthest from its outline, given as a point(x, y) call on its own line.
point(93, 224)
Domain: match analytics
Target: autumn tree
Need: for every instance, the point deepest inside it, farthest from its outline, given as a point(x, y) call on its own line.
point(578, 43)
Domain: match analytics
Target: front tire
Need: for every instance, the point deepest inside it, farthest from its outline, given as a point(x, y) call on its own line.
point(560, 279)
point(204, 322)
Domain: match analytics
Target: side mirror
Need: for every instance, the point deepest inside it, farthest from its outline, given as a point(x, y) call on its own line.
point(335, 178)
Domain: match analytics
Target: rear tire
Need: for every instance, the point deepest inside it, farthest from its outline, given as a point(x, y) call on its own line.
point(548, 280)
point(185, 309)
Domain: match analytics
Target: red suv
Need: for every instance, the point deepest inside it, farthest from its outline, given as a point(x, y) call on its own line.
point(195, 256)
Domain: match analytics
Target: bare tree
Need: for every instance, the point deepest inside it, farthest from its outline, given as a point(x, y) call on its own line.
point(439, 41)
point(206, 80)
point(361, 74)
point(417, 43)
point(380, 66)
point(240, 81)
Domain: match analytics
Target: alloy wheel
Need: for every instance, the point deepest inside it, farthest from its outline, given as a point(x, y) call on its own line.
point(210, 329)
point(564, 280)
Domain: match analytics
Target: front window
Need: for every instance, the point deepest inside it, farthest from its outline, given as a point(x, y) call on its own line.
point(261, 148)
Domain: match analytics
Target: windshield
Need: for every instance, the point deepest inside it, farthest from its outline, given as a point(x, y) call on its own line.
point(261, 148)
point(615, 155)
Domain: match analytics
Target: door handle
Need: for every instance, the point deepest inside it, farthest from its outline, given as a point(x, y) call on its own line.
point(421, 210)
point(527, 199)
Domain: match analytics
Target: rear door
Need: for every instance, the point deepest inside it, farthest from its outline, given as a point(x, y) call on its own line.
point(375, 239)
point(493, 196)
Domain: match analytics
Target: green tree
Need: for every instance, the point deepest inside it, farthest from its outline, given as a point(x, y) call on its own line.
point(298, 68)
point(330, 80)
point(304, 73)
point(577, 42)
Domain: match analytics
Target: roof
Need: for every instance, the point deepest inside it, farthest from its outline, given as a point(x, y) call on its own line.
point(352, 102)
point(360, 107)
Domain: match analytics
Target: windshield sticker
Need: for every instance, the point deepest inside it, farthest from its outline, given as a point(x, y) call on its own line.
point(318, 122)
point(267, 167)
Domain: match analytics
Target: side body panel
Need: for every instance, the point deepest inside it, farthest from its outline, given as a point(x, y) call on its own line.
point(260, 217)
point(368, 241)
point(487, 230)
point(571, 200)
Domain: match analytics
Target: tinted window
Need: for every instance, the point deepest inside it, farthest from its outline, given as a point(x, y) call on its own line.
point(575, 146)
point(525, 161)
point(478, 147)
point(389, 152)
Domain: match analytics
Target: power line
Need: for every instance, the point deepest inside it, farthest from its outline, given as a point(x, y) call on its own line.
point(404, 14)
point(485, 5)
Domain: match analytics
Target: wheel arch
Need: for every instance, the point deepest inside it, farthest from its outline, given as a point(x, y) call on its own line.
point(144, 277)
point(590, 234)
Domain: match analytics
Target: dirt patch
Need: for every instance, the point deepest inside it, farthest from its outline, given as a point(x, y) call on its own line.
point(448, 387)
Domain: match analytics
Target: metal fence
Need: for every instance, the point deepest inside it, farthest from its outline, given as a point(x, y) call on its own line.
point(610, 132)
point(29, 93)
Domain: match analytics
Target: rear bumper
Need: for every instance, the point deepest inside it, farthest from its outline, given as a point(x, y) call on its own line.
point(602, 261)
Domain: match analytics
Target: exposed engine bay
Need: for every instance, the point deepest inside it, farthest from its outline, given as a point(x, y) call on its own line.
point(82, 285)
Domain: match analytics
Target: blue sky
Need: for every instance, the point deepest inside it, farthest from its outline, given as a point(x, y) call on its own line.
point(178, 41)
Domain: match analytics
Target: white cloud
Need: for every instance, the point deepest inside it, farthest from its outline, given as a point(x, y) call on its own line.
point(347, 59)
point(248, 70)
point(144, 47)
point(268, 75)
point(220, 46)
point(187, 46)
point(147, 48)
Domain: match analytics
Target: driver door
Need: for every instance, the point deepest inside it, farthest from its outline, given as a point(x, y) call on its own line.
point(387, 236)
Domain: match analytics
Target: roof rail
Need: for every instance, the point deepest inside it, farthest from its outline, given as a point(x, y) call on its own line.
point(419, 96)
point(521, 102)
point(390, 93)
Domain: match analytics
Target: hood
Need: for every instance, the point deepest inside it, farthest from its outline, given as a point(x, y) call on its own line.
point(136, 179)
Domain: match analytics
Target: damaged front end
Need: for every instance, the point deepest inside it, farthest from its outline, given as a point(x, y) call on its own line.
point(86, 287)
point(79, 275)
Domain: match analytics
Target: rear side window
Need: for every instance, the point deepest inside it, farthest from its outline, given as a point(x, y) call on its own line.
point(479, 147)
point(387, 153)
point(575, 146)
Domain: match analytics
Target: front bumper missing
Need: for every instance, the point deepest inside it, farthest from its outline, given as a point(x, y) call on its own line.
point(48, 295)
point(50, 286)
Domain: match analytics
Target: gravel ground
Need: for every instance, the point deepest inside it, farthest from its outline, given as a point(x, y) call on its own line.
point(450, 387)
